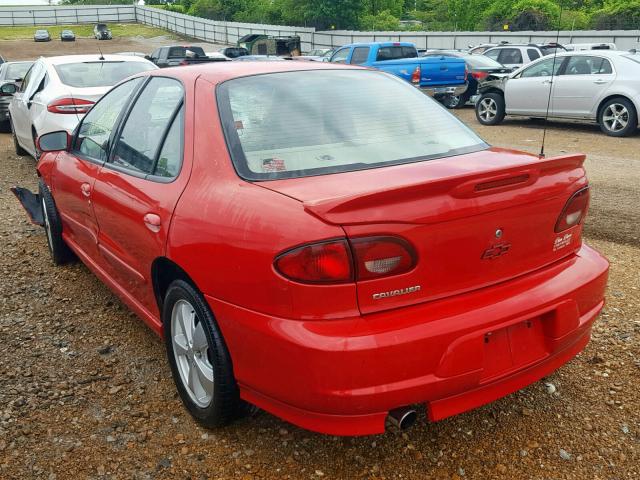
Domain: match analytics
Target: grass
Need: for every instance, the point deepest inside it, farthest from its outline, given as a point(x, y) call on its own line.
point(117, 29)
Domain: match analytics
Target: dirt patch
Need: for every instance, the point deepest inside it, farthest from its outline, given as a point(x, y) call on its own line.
point(85, 390)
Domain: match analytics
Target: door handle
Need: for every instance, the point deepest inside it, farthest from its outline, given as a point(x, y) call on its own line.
point(86, 189)
point(547, 82)
point(600, 82)
point(152, 222)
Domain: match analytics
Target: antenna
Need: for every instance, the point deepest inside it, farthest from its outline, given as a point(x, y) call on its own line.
point(553, 71)
point(101, 57)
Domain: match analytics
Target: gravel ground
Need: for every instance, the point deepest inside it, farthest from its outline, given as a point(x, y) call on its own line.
point(85, 390)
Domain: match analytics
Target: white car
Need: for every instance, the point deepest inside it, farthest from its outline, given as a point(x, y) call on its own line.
point(57, 91)
point(513, 55)
point(592, 85)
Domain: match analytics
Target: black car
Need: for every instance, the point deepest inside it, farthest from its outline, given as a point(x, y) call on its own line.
point(479, 68)
point(101, 32)
point(41, 36)
point(67, 36)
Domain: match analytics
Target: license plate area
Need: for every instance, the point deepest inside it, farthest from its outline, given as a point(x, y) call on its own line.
point(512, 348)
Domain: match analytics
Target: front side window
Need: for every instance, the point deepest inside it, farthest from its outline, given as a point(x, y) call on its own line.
point(360, 55)
point(99, 73)
point(297, 124)
point(145, 127)
point(341, 56)
point(543, 68)
point(92, 140)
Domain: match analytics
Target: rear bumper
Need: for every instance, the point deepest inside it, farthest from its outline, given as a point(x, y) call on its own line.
point(342, 376)
point(446, 90)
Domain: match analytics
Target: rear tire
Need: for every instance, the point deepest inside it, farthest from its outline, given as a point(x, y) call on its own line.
point(490, 109)
point(618, 118)
point(198, 356)
point(21, 152)
point(455, 101)
point(60, 252)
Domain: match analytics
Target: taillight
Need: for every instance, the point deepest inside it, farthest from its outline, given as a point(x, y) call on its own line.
point(382, 256)
point(479, 75)
point(70, 105)
point(339, 261)
point(574, 211)
point(415, 77)
point(326, 262)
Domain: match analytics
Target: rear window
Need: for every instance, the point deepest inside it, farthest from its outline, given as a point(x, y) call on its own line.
point(396, 53)
point(297, 124)
point(16, 71)
point(181, 52)
point(98, 74)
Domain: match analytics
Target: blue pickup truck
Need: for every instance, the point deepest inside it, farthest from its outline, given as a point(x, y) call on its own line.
point(436, 76)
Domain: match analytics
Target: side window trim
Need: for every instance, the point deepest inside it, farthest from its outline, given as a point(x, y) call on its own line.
point(74, 147)
point(163, 139)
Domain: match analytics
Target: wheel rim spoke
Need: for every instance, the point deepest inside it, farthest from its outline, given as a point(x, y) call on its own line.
point(204, 378)
point(199, 338)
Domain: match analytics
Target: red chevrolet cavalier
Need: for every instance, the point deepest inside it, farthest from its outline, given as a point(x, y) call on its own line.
point(323, 242)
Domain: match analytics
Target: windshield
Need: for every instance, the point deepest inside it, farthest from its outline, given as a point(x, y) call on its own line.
point(297, 124)
point(98, 74)
point(15, 71)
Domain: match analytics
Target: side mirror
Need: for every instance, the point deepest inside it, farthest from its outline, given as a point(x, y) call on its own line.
point(54, 141)
point(8, 89)
point(147, 57)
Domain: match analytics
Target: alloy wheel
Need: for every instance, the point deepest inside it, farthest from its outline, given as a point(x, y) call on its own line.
point(615, 117)
point(192, 353)
point(488, 109)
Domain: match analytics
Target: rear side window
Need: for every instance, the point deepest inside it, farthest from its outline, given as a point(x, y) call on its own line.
point(170, 158)
point(181, 52)
point(395, 53)
point(146, 126)
point(98, 74)
point(533, 54)
point(360, 55)
point(510, 56)
point(296, 124)
point(584, 65)
point(95, 130)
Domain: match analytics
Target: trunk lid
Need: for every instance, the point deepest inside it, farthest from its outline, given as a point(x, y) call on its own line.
point(474, 220)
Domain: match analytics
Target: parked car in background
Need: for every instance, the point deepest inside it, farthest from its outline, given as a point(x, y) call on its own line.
point(7, 90)
point(234, 52)
point(41, 36)
point(132, 54)
point(217, 55)
point(319, 55)
point(479, 49)
point(479, 68)
point(577, 47)
point(513, 55)
point(424, 266)
point(435, 76)
point(67, 36)
point(180, 55)
point(594, 85)
point(101, 32)
point(14, 71)
point(57, 91)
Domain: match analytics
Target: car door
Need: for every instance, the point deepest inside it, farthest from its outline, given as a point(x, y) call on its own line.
point(580, 86)
point(76, 170)
point(20, 112)
point(138, 187)
point(527, 93)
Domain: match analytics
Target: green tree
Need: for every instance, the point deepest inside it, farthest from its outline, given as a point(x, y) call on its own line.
point(381, 21)
point(207, 9)
point(617, 14)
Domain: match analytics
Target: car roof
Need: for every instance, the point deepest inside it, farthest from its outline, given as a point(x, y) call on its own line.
point(218, 72)
point(61, 60)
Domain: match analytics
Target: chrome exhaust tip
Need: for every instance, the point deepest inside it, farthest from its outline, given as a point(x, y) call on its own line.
point(402, 418)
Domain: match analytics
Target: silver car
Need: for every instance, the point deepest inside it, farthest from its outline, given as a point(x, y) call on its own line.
point(598, 85)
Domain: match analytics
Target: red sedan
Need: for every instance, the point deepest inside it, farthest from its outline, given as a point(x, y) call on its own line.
point(323, 242)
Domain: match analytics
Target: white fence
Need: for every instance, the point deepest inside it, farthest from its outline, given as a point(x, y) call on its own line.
point(59, 15)
point(228, 33)
point(214, 31)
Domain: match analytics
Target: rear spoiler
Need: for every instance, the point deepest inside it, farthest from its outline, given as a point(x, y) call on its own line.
point(359, 209)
